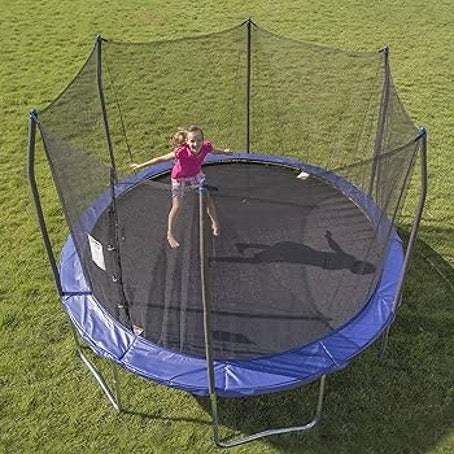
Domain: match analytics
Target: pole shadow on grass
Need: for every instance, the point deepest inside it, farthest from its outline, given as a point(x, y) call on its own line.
point(399, 406)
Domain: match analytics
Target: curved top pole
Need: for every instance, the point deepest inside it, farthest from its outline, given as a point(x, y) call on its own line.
point(102, 101)
point(32, 122)
point(419, 210)
point(379, 136)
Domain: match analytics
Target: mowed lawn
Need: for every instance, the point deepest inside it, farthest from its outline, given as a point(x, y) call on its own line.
point(50, 403)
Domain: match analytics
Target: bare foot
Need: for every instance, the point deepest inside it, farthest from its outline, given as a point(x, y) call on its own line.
point(216, 229)
point(172, 241)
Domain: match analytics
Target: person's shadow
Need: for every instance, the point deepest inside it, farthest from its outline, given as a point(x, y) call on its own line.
point(291, 252)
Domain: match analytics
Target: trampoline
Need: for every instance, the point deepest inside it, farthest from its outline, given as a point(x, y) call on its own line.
point(308, 269)
point(306, 302)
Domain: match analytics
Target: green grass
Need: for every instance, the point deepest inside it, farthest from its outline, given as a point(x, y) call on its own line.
point(48, 400)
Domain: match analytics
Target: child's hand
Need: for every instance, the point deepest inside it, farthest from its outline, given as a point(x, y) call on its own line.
point(134, 166)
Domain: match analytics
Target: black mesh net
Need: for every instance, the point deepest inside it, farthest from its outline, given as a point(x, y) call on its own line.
point(152, 89)
point(296, 259)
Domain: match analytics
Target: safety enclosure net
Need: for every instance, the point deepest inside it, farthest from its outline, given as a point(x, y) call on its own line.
point(296, 259)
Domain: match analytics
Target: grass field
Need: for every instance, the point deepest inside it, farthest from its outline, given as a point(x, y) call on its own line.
point(48, 400)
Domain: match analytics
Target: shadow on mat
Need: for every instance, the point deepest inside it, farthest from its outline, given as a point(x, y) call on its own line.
point(291, 252)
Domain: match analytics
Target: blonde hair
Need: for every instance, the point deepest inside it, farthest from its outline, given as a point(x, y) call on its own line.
point(194, 128)
point(179, 137)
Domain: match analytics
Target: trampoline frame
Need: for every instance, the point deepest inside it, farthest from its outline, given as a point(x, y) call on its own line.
point(113, 392)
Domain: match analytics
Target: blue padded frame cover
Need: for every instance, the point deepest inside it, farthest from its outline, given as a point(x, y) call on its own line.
point(109, 338)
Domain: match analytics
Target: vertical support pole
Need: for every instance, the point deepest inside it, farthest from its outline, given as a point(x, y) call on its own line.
point(32, 122)
point(118, 279)
point(413, 234)
point(203, 194)
point(248, 83)
point(383, 112)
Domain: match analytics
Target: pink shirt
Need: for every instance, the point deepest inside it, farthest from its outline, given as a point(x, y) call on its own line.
point(188, 164)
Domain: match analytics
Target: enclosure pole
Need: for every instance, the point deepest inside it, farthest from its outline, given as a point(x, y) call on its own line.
point(383, 112)
point(102, 100)
point(422, 137)
point(113, 179)
point(203, 195)
point(32, 122)
point(248, 84)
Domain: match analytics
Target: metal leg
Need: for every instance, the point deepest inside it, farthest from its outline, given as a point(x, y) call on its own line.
point(113, 396)
point(116, 381)
point(266, 433)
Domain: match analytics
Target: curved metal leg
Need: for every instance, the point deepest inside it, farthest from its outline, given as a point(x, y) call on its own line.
point(112, 395)
point(266, 433)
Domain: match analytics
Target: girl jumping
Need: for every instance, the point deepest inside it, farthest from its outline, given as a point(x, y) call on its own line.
point(190, 150)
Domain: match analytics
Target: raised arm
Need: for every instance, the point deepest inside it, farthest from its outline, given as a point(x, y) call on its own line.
point(157, 160)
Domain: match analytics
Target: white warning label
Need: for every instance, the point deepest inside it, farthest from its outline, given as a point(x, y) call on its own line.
point(97, 253)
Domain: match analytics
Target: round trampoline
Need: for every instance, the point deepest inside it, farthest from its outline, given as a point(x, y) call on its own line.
point(308, 268)
point(301, 279)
